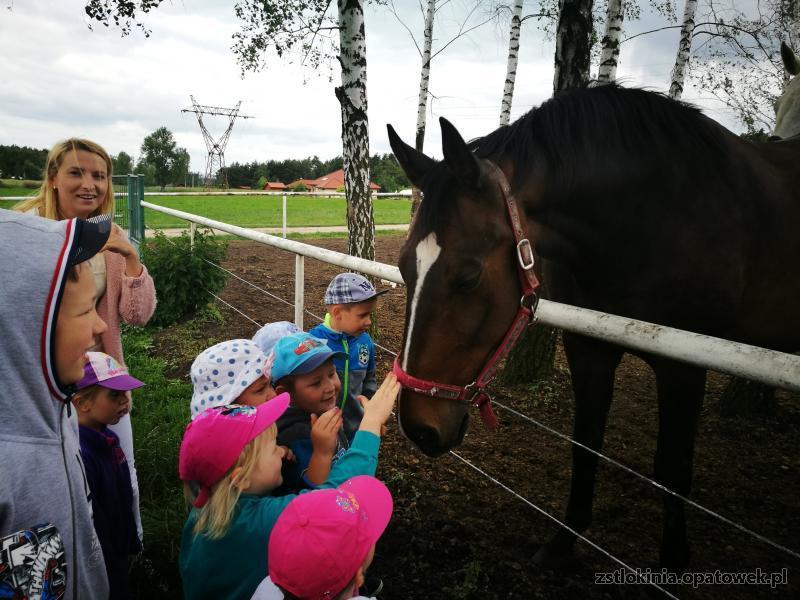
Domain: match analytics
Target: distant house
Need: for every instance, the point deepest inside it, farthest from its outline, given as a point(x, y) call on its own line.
point(329, 183)
point(274, 186)
point(298, 182)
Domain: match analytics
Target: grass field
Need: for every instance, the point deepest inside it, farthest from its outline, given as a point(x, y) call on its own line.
point(265, 211)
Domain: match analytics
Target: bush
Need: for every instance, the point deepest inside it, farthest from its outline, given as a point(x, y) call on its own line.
point(184, 279)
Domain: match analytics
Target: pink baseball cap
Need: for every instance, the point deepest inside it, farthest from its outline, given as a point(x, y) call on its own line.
point(215, 439)
point(322, 537)
point(103, 370)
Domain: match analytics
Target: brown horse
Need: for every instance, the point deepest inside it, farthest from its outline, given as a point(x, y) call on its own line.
point(639, 206)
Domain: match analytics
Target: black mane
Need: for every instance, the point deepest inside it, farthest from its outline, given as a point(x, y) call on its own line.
point(599, 132)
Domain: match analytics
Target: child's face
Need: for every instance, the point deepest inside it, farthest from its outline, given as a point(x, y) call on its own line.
point(353, 319)
point(107, 407)
point(316, 392)
point(266, 474)
point(257, 392)
point(76, 326)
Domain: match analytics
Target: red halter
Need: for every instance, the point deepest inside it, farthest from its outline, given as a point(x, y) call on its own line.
point(475, 393)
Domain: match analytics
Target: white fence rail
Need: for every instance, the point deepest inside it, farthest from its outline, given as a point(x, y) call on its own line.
point(767, 366)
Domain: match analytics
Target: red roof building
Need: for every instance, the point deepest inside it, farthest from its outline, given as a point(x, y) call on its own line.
point(331, 182)
point(274, 186)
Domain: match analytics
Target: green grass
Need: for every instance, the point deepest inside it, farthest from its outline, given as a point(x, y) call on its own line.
point(267, 211)
point(7, 204)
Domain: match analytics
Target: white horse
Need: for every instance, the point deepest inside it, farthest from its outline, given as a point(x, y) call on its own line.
point(787, 108)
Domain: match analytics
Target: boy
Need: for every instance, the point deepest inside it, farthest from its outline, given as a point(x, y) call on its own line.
point(311, 427)
point(349, 300)
point(99, 402)
point(48, 545)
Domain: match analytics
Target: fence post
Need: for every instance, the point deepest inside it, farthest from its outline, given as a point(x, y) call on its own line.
point(299, 292)
point(192, 231)
point(133, 215)
point(284, 214)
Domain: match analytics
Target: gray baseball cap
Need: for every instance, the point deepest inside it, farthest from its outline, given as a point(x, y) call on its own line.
point(350, 288)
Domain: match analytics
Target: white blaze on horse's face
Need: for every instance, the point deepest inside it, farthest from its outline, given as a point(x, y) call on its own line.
point(426, 253)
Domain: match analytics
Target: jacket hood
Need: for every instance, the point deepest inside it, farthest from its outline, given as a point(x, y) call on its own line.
point(36, 255)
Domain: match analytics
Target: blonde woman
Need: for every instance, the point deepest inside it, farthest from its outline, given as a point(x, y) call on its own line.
point(77, 183)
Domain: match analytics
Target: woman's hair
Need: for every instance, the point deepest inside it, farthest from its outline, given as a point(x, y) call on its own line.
point(46, 200)
point(214, 518)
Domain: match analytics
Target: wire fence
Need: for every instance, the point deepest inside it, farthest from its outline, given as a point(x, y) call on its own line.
point(729, 522)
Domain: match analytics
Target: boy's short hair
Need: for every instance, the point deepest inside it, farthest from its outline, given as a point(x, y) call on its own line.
point(300, 353)
point(350, 288)
point(322, 538)
point(222, 372)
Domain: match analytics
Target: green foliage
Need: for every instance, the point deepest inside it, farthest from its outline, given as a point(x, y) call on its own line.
point(159, 414)
point(340, 189)
point(169, 162)
point(184, 279)
point(262, 181)
point(123, 163)
point(21, 161)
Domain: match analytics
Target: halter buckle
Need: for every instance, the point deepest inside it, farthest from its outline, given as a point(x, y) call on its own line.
point(525, 262)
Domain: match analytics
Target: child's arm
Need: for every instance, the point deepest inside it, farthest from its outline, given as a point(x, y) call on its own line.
point(324, 430)
point(362, 457)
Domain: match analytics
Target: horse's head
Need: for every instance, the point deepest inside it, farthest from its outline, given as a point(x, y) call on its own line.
point(459, 266)
point(787, 108)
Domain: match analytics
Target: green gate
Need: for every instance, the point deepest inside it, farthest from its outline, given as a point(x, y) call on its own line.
point(128, 209)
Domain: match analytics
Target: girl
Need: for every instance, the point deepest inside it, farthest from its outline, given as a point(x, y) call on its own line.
point(231, 452)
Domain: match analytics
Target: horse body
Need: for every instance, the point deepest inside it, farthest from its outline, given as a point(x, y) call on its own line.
point(639, 206)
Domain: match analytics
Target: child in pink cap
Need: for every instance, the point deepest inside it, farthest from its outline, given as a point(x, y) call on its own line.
point(231, 452)
point(102, 400)
point(324, 541)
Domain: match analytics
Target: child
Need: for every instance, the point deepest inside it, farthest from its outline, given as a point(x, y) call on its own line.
point(266, 337)
point(349, 300)
point(232, 452)
point(99, 402)
point(311, 427)
point(48, 322)
point(324, 541)
point(231, 371)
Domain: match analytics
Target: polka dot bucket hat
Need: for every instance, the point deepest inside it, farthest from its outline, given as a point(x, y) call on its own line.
point(222, 372)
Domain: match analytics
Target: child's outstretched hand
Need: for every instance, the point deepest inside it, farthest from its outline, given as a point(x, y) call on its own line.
point(324, 429)
point(378, 410)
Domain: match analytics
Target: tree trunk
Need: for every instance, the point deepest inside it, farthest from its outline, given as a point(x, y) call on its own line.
point(573, 43)
point(684, 46)
point(745, 398)
point(422, 103)
point(609, 57)
point(511, 68)
point(352, 96)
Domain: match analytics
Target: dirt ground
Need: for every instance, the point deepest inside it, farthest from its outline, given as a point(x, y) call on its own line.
point(458, 534)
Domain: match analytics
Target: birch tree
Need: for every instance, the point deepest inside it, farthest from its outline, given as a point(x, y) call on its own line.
point(352, 96)
point(573, 44)
point(684, 46)
point(609, 55)
point(511, 63)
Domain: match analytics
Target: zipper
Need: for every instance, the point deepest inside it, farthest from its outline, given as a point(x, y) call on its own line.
point(71, 503)
point(346, 371)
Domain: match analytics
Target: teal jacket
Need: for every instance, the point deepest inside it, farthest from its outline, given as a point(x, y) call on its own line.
point(233, 566)
point(356, 372)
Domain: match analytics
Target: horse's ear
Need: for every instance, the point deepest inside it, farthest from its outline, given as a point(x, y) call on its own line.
point(414, 163)
point(457, 155)
point(790, 61)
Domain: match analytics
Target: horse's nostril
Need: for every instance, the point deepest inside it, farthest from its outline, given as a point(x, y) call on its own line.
point(426, 438)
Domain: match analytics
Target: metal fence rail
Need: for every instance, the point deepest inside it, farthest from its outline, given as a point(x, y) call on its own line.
point(767, 366)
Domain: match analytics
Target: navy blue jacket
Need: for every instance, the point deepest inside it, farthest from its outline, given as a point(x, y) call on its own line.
point(112, 503)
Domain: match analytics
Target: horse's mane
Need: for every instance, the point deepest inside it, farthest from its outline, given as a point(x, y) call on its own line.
point(597, 132)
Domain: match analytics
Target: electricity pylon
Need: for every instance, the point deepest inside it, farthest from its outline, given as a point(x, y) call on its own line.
point(216, 148)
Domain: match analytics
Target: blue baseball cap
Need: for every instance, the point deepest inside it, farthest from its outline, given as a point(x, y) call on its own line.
point(300, 353)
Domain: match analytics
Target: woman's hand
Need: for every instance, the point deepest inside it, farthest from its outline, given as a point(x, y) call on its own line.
point(118, 243)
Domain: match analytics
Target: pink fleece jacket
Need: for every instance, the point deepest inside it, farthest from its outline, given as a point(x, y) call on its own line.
point(130, 299)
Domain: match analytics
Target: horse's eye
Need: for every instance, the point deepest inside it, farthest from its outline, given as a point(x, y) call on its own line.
point(467, 282)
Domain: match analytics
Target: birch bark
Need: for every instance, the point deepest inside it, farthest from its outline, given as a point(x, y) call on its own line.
point(511, 65)
point(684, 46)
point(352, 96)
point(573, 42)
point(422, 103)
point(609, 57)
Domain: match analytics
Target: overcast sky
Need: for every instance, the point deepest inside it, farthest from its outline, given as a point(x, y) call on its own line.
point(59, 79)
